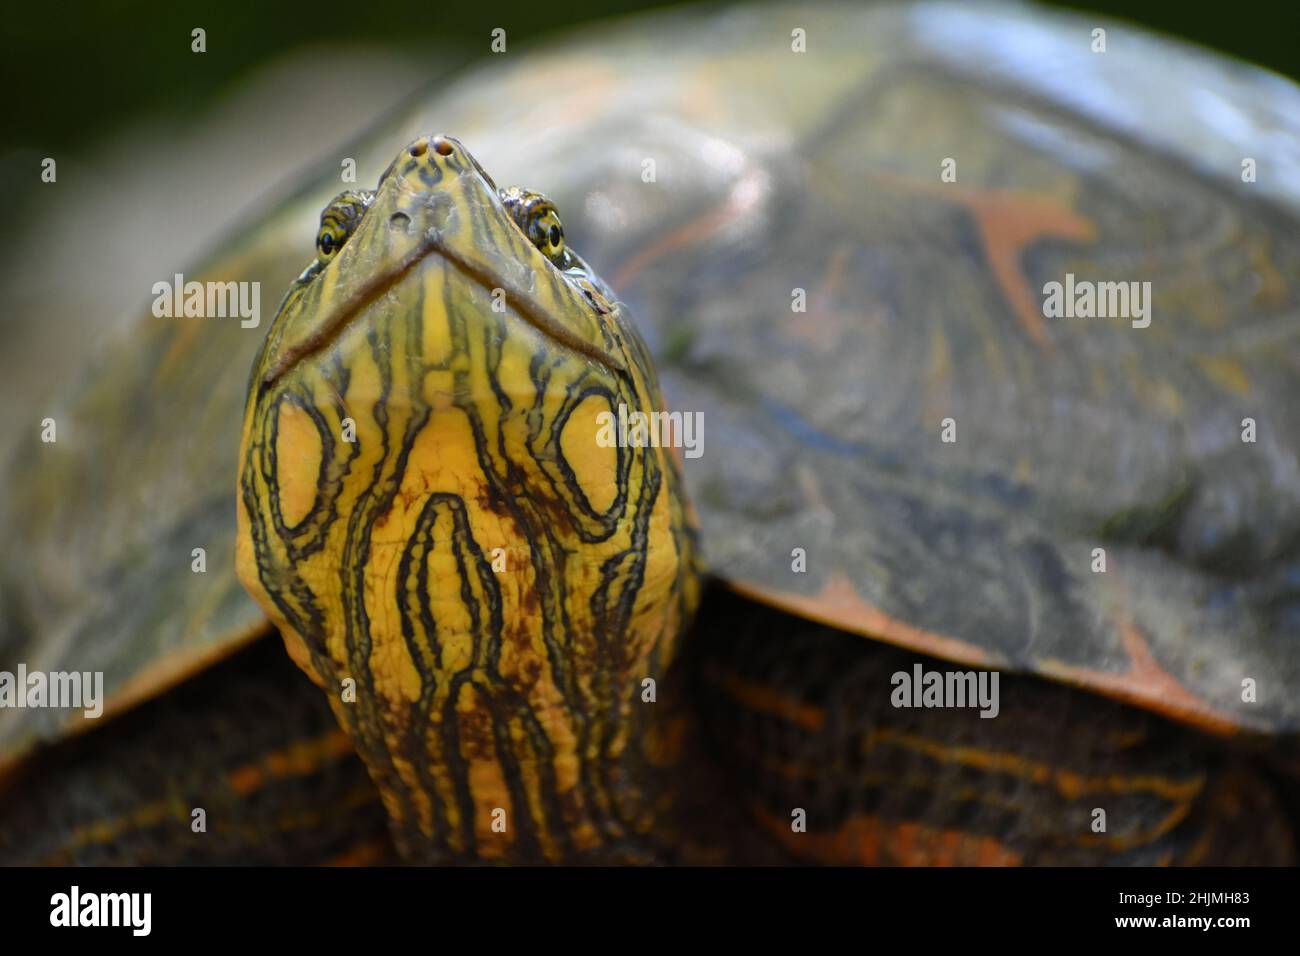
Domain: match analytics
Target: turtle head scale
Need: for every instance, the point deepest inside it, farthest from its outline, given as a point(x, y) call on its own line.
point(432, 512)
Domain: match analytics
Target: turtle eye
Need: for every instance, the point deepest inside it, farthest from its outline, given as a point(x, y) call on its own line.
point(328, 242)
point(547, 234)
point(536, 217)
point(339, 221)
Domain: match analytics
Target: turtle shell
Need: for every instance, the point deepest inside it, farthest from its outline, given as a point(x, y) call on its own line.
point(839, 257)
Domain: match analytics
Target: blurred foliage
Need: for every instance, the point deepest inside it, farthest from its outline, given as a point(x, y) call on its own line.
point(76, 70)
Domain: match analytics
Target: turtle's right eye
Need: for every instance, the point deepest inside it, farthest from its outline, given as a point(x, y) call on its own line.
point(339, 221)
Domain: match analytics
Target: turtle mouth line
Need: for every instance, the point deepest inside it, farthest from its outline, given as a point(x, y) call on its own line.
point(525, 306)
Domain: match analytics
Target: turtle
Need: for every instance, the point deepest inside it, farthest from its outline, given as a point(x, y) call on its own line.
point(723, 488)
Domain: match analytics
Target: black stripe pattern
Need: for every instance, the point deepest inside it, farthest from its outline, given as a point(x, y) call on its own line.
point(479, 584)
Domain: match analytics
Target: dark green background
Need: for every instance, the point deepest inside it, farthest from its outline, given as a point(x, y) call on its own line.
point(74, 71)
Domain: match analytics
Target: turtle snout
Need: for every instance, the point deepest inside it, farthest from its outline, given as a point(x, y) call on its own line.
point(439, 144)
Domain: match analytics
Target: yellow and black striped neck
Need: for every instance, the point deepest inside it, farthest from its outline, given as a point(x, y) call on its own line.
point(486, 591)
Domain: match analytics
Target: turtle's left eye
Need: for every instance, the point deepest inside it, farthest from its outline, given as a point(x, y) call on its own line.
point(547, 234)
point(339, 221)
point(329, 241)
point(536, 217)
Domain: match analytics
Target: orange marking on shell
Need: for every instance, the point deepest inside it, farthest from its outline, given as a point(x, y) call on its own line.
point(188, 331)
point(363, 854)
point(767, 699)
point(1068, 783)
point(820, 325)
point(865, 840)
point(163, 675)
point(811, 488)
point(947, 848)
point(904, 843)
point(297, 760)
point(665, 743)
point(839, 605)
point(184, 334)
point(738, 202)
point(1009, 222)
point(1146, 684)
point(989, 852)
point(683, 237)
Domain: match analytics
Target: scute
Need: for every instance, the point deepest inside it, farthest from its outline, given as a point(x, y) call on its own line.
point(924, 302)
point(118, 536)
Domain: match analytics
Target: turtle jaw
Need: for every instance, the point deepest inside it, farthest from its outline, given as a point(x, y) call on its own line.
point(435, 202)
point(493, 280)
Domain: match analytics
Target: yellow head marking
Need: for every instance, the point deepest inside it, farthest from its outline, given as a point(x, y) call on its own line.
point(497, 583)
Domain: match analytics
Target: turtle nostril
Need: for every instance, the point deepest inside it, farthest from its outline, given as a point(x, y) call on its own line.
point(442, 146)
point(418, 147)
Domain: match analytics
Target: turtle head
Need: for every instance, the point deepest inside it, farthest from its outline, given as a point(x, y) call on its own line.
point(437, 512)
